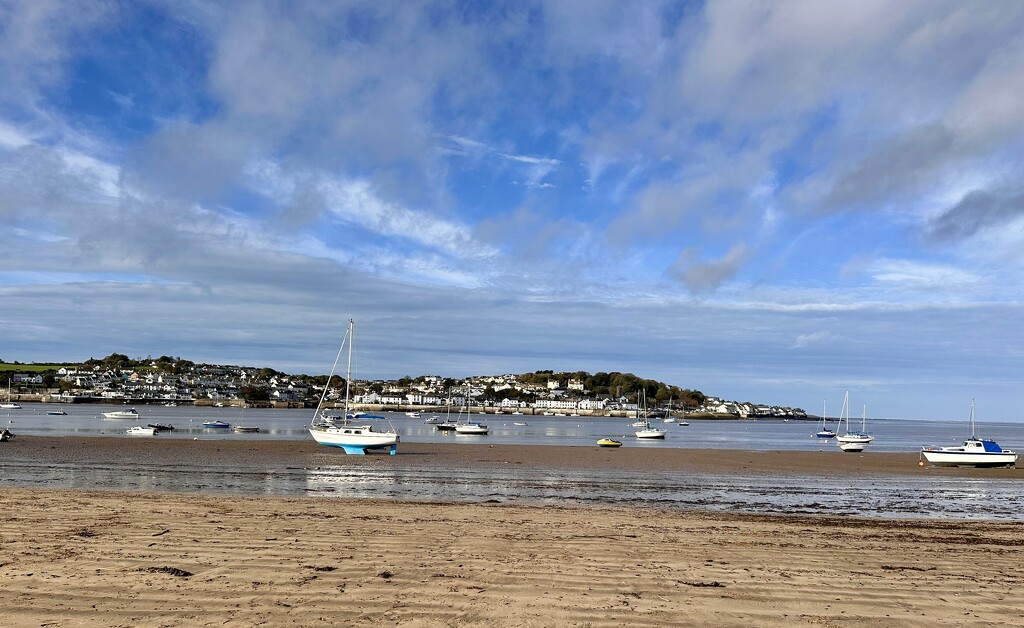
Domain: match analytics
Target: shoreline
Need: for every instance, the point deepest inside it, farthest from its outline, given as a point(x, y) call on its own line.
point(90, 558)
point(268, 453)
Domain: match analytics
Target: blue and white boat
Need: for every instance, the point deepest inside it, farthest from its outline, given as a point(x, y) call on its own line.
point(353, 439)
point(218, 424)
point(825, 431)
point(975, 452)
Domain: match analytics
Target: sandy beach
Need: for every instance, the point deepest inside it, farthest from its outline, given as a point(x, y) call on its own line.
point(109, 558)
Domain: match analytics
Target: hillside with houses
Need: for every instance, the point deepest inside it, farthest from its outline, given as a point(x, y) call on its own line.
point(170, 380)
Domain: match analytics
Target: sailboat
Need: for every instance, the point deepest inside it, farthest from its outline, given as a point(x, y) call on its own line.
point(468, 426)
point(354, 439)
point(9, 405)
point(975, 452)
point(824, 432)
point(646, 430)
point(853, 441)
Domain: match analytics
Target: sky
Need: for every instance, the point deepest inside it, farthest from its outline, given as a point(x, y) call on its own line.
point(773, 202)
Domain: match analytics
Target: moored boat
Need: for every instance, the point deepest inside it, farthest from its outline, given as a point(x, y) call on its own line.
point(130, 413)
point(608, 442)
point(974, 452)
point(138, 430)
point(471, 427)
point(56, 413)
point(218, 424)
point(162, 427)
point(353, 439)
point(245, 429)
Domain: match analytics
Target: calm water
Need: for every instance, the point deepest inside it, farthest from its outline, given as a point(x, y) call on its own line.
point(973, 496)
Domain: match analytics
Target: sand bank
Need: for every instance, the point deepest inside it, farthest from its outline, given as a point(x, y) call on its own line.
point(266, 453)
point(80, 558)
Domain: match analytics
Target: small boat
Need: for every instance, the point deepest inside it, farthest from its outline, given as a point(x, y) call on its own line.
point(413, 415)
point(6, 435)
point(520, 423)
point(975, 452)
point(9, 405)
point(608, 442)
point(245, 429)
point(683, 423)
point(853, 441)
point(130, 413)
point(56, 413)
point(218, 424)
point(471, 427)
point(447, 426)
point(824, 432)
point(646, 431)
point(138, 430)
point(162, 427)
point(353, 439)
point(434, 420)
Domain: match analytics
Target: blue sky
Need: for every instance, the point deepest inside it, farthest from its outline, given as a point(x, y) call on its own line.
point(773, 202)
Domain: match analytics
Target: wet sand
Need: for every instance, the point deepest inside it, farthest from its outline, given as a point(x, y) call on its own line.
point(85, 558)
point(91, 558)
point(270, 454)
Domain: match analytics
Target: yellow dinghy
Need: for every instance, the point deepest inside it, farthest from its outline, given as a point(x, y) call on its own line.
point(607, 442)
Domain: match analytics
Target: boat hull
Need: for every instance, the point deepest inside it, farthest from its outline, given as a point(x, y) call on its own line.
point(941, 458)
point(355, 439)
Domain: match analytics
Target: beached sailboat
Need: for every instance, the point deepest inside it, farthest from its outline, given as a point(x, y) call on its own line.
point(354, 439)
point(825, 431)
point(851, 440)
point(975, 452)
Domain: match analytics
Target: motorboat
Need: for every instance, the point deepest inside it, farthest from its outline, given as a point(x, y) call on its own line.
point(56, 413)
point(520, 423)
point(138, 430)
point(130, 413)
point(218, 424)
point(608, 442)
point(162, 427)
point(433, 420)
point(974, 452)
point(353, 439)
point(413, 415)
point(9, 405)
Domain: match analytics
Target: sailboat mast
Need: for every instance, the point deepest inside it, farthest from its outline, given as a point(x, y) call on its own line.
point(348, 372)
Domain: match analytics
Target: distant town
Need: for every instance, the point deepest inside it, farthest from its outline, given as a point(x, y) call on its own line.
point(174, 381)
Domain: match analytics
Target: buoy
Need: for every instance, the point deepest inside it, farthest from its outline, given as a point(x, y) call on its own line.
point(920, 463)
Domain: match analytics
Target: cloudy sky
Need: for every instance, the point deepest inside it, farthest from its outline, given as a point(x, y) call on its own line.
point(773, 202)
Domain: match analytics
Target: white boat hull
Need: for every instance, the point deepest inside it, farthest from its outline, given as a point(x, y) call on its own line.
point(121, 414)
point(852, 445)
point(471, 429)
point(954, 457)
point(141, 431)
point(355, 439)
point(651, 433)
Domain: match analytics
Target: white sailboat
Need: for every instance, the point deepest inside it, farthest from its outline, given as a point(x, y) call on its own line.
point(975, 452)
point(468, 426)
point(646, 430)
point(851, 440)
point(9, 405)
point(354, 439)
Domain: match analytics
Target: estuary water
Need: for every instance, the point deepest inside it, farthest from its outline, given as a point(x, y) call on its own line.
point(891, 435)
point(971, 496)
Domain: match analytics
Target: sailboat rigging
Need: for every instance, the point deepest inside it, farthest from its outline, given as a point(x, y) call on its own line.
point(354, 439)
